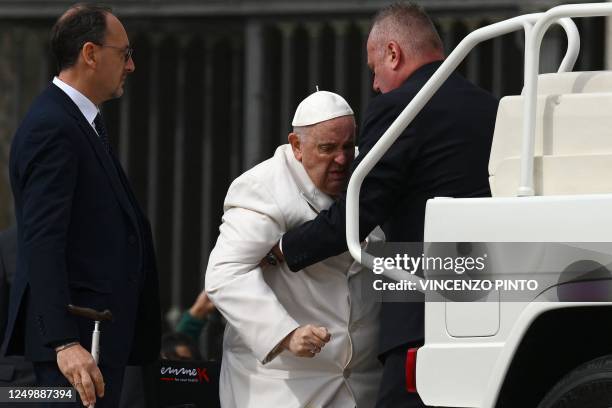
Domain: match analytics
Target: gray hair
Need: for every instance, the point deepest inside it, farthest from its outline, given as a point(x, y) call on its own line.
point(302, 131)
point(409, 25)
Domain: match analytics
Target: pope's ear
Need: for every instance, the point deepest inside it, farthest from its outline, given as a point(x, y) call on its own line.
point(296, 146)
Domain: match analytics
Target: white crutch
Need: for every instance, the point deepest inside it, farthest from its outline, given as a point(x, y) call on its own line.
point(97, 317)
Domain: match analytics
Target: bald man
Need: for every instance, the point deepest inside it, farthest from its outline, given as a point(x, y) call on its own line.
point(444, 152)
point(82, 237)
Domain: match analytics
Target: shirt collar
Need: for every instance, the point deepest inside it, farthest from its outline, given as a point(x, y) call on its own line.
point(317, 200)
point(87, 107)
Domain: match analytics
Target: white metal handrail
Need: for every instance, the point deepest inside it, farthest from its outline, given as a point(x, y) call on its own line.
point(532, 60)
point(417, 103)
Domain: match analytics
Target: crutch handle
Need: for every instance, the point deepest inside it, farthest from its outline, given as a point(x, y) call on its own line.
point(88, 313)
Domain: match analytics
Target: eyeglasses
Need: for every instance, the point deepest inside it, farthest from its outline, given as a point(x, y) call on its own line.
point(127, 51)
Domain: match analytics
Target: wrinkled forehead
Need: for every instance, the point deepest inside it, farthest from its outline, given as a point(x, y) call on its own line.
point(336, 130)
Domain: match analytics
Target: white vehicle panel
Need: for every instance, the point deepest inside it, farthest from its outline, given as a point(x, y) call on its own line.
point(455, 374)
point(471, 369)
point(572, 218)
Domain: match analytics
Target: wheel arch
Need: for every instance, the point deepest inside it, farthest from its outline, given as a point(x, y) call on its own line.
point(556, 342)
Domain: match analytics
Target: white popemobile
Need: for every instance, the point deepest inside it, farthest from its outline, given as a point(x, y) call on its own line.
point(551, 180)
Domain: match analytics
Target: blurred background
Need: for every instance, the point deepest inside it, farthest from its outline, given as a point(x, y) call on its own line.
point(215, 88)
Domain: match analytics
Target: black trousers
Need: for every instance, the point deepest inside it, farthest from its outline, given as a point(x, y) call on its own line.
point(49, 375)
point(392, 391)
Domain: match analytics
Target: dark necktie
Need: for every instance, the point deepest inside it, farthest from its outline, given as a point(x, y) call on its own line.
point(101, 129)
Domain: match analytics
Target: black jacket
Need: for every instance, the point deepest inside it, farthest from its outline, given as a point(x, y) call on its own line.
point(82, 239)
point(443, 152)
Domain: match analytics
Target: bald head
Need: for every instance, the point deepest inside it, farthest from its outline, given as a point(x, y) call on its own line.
point(410, 27)
point(402, 40)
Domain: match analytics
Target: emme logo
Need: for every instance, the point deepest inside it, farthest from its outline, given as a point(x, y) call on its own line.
point(182, 374)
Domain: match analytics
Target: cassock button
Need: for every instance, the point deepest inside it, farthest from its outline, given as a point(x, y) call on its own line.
point(346, 373)
point(132, 239)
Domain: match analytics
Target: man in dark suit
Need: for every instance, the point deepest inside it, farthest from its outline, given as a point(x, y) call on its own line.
point(444, 152)
point(82, 237)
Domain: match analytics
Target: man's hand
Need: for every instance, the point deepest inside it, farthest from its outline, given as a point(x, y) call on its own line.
point(277, 252)
point(79, 367)
point(274, 257)
point(306, 341)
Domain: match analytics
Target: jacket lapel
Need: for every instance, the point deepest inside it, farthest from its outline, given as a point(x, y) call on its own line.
point(104, 158)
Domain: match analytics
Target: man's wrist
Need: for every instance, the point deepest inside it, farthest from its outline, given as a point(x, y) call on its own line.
point(66, 346)
point(284, 344)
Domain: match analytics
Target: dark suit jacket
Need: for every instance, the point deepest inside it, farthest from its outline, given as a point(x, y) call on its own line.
point(444, 152)
point(82, 239)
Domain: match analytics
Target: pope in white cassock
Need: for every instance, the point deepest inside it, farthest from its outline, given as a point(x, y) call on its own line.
point(305, 339)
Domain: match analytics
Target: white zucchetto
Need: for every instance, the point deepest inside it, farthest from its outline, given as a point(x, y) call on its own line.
point(320, 106)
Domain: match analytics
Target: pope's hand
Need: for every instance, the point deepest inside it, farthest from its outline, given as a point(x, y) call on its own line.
point(306, 341)
point(79, 367)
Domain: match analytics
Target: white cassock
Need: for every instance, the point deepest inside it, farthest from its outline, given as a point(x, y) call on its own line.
point(264, 306)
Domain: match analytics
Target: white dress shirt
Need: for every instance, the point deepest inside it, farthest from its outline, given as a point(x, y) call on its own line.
point(87, 107)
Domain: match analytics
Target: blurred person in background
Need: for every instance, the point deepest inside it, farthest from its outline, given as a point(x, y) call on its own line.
point(182, 343)
point(179, 346)
point(195, 319)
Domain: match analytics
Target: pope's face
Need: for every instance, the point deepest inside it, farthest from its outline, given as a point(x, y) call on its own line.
point(327, 152)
